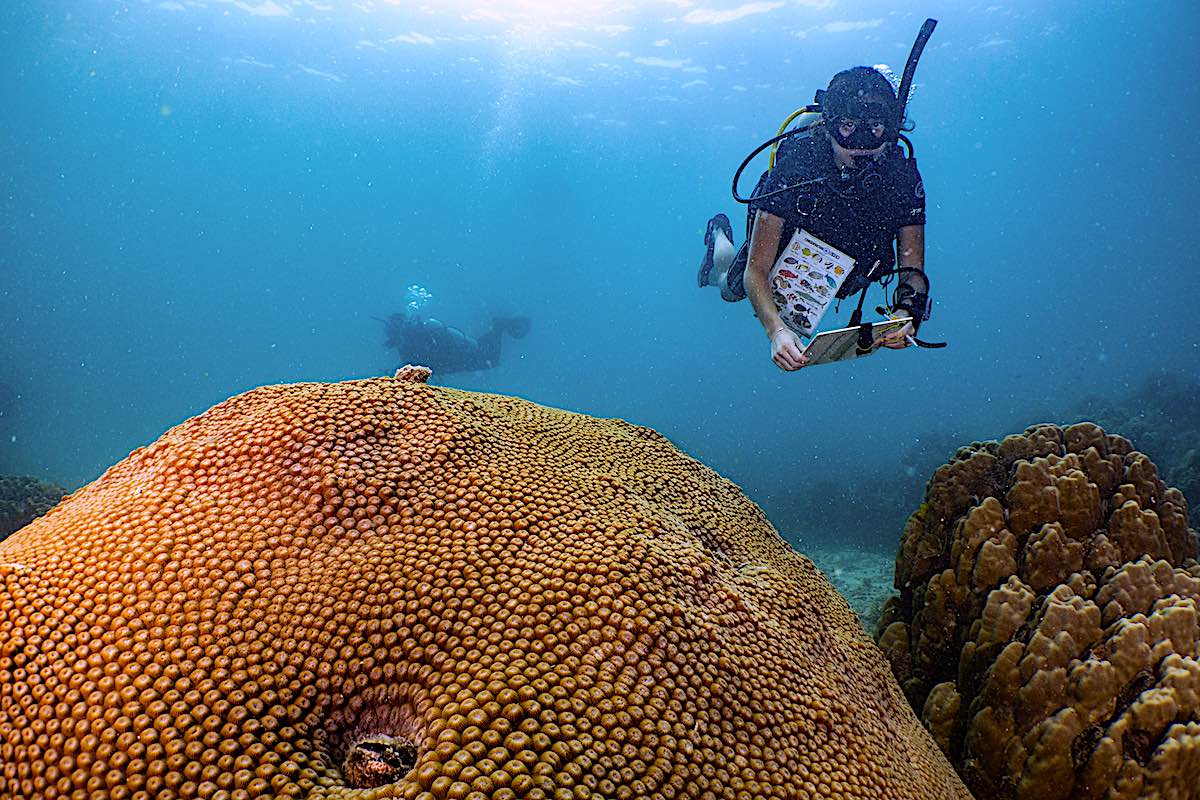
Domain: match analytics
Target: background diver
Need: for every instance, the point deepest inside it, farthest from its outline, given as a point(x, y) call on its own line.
point(846, 181)
point(445, 349)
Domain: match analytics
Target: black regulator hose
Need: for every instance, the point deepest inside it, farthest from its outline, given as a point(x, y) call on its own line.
point(737, 176)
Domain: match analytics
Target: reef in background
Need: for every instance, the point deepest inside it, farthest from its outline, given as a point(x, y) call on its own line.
point(862, 576)
point(1163, 416)
point(852, 506)
point(1047, 628)
point(839, 507)
point(24, 499)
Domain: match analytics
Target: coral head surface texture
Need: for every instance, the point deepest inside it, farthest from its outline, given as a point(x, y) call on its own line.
point(389, 589)
point(1047, 626)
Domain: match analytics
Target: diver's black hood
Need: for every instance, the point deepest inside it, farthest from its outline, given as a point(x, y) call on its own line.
point(861, 93)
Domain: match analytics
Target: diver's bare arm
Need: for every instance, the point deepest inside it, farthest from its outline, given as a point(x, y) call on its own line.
point(910, 246)
point(764, 244)
point(910, 252)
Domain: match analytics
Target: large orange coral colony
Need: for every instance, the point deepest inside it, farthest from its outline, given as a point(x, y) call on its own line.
point(388, 589)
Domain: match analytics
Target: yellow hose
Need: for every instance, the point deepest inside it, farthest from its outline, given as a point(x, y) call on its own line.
point(798, 112)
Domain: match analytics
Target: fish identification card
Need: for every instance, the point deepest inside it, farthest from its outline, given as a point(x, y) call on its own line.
point(805, 281)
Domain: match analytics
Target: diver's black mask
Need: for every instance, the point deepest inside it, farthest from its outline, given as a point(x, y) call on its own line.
point(862, 134)
point(863, 125)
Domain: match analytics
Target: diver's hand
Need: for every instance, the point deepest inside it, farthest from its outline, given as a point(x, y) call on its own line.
point(786, 351)
point(897, 339)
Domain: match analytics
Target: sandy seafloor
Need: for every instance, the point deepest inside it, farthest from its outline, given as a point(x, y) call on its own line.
point(863, 577)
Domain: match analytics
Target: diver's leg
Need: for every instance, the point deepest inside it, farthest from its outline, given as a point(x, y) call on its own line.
point(489, 346)
point(718, 251)
point(732, 283)
point(516, 327)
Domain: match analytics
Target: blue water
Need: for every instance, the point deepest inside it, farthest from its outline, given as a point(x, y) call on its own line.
point(197, 198)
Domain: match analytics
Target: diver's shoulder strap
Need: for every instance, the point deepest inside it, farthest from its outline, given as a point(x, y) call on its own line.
point(797, 152)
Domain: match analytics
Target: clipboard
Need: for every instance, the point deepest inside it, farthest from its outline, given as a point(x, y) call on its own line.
point(842, 344)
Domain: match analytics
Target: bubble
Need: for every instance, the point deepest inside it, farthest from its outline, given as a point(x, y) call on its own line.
point(416, 297)
point(887, 72)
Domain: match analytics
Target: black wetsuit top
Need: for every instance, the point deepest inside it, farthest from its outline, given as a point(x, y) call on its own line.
point(859, 217)
point(440, 347)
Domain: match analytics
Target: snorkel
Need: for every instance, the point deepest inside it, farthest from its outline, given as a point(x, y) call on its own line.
point(863, 113)
point(910, 67)
point(876, 118)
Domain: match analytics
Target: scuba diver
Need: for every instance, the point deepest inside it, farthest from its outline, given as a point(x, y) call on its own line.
point(423, 340)
point(843, 183)
point(446, 349)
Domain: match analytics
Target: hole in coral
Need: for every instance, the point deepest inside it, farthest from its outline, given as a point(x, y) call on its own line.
point(1140, 683)
point(1084, 745)
point(1006, 788)
point(1138, 747)
point(376, 737)
point(378, 760)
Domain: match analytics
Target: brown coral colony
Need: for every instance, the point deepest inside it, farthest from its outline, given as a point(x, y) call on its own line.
point(1047, 625)
point(389, 589)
